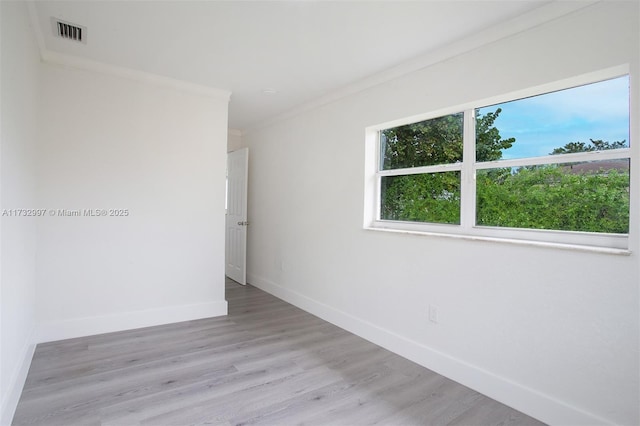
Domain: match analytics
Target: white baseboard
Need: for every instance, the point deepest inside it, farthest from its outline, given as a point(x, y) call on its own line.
point(529, 401)
point(88, 326)
point(12, 396)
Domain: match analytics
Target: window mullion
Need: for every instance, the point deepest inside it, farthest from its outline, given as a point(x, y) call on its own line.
point(378, 198)
point(614, 154)
point(378, 179)
point(468, 181)
point(421, 170)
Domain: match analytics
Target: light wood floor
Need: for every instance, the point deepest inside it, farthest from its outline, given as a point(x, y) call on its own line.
point(267, 362)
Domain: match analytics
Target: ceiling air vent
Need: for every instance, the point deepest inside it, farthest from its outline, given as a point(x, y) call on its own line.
point(69, 31)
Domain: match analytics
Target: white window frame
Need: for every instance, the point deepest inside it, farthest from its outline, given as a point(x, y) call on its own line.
point(615, 243)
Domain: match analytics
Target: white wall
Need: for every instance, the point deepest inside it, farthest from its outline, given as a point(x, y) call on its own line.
point(234, 140)
point(551, 332)
point(19, 88)
point(73, 139)
point(112, 143)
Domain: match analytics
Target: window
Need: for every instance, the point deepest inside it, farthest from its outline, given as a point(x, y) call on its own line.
point(420, 168)
point(551, 167)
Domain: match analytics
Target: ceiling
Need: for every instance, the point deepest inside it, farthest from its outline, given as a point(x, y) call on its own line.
point(302, 49)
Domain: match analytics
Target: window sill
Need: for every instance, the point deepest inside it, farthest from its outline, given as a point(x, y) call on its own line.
point(561, 246)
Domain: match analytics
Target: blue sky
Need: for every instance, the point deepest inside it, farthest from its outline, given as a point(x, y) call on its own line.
point(542, 123)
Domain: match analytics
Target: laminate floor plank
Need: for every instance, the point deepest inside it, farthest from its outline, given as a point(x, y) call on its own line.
point(320, 402)
point(266, 363)
point(126, 362)
point(257, 397)
point(165, 403)
point(239, 344)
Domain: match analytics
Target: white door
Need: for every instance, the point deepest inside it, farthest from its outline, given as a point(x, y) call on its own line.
point(236, 232)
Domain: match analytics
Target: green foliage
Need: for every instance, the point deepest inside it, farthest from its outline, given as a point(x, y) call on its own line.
point(439, 141)
point(489, 144)
point(433, 197)
point(430, 142)
point(593, 145)
point(554, 197)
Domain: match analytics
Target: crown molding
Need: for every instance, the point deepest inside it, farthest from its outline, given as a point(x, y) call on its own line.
point(35, 26)
point(534, 18)
point(103, 68)
point(141, 76)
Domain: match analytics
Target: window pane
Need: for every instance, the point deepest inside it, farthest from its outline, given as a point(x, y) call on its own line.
point(586, 118)
point(432, 197)
point(588, 196)
point(427, 143)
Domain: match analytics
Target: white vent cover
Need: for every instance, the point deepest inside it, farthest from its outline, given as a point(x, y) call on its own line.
point(69, 31)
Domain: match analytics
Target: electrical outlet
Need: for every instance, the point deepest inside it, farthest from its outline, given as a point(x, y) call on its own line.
point(433, 314)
